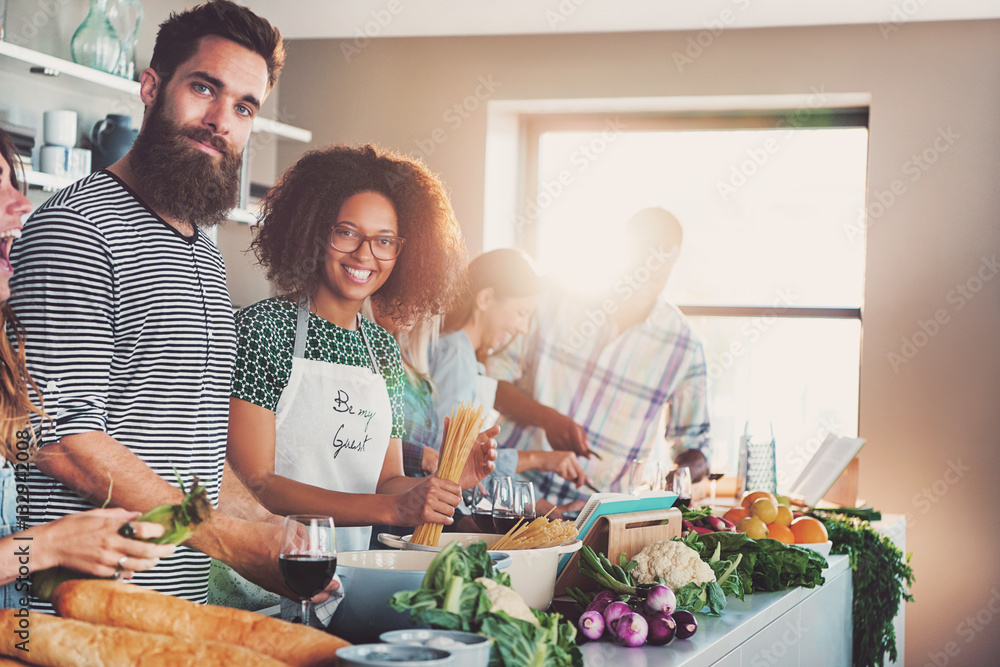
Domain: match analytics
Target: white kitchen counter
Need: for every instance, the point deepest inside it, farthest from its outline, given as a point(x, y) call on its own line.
point(799, 626)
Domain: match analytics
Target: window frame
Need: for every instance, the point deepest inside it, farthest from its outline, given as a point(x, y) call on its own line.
point(533, 124)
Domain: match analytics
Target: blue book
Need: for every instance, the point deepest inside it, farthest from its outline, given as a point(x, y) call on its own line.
point(604, 504)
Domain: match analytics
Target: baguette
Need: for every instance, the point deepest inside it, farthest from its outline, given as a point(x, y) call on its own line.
point(63, 642)
point(129, 606)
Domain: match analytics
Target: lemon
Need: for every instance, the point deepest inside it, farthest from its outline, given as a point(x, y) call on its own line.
point(753, 527)
point(764, 509)
point(784, 515)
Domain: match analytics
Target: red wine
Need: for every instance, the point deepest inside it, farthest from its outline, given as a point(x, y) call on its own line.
point(307, 575)
point(682, 502)
point(484, 521)
point(504, 522)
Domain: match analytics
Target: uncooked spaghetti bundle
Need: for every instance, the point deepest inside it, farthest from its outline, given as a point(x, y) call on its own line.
point(464, 426)
point(536, 534)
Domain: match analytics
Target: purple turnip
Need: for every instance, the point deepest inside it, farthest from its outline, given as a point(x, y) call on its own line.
point(591, 624)
point(631, 630)
point(615, 611)
point(686, 624)
point(662, 628)
point(661, 599)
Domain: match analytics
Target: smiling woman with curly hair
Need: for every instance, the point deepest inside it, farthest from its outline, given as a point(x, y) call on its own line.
point(316, 414)
point(292, 241)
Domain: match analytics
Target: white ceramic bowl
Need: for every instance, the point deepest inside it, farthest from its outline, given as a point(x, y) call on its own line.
point(822, 548)
point(532, 571)
point(369, 579)
point(365, 655)
point(469, 649)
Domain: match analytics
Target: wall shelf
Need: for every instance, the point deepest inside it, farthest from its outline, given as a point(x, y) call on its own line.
point(53, 183)
point(46, 182)
point(20, 60)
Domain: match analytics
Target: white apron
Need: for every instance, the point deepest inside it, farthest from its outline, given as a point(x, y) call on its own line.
point(332, 426)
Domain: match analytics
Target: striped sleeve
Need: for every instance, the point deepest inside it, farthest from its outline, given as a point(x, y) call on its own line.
point(64, 294)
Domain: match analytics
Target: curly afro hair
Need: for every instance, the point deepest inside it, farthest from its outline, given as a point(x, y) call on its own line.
point(292, 239)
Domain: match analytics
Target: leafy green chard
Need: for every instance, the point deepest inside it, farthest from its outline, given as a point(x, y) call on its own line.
point(882, 579)
point(696, 597)
point(449, 598)
point(178, 521)
point(766, 565)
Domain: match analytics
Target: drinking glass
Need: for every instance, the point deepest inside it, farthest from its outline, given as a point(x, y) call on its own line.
point(482, 505)
point(645, 475)
point(524, 500)
point(681, 481)
point(308, 556)
point(504, 513)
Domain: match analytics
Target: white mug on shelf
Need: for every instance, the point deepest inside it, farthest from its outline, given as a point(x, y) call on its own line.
point(59, 127)
point(80, 162)
point(57, 160)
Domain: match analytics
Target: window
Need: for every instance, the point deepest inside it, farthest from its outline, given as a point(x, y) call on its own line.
point(772, 268)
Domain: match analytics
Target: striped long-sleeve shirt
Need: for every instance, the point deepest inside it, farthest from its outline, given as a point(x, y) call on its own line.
point(129, 331)
point(617, 386)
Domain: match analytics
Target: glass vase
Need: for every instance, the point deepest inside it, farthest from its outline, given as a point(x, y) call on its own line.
point(95, 43)
point(126, 17)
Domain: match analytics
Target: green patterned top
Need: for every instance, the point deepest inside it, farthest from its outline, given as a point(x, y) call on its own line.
point(266, 333)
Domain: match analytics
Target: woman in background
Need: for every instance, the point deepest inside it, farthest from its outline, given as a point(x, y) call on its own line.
point(421, 422)
point(88, 541)
point(499, 298)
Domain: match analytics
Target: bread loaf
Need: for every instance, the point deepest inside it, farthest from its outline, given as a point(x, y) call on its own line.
point(128, 606)
point(62, 642)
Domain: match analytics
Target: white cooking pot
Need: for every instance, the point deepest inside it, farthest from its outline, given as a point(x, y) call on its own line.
point(532, 571)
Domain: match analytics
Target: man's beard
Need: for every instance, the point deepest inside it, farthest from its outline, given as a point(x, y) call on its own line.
point(180, 180)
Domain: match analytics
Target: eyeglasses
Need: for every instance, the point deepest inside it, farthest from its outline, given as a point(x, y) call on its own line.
point(347, 240)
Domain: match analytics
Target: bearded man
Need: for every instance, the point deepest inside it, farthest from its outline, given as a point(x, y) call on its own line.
point(124, 302)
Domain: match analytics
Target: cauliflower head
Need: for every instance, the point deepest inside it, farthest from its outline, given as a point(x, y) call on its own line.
point(507, 600)
point(674, 562)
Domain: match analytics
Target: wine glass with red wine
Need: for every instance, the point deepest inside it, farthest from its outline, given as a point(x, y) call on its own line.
point(482, 505)
point(505, 515)
point(308, 556)
point(524, 500)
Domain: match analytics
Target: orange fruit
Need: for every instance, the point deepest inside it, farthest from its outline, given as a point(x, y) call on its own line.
point(784, 516)
point(736, 514)
point(754, 495)
point(782, 533)
point(808, 530)
point(764, 509)
point(753, 527)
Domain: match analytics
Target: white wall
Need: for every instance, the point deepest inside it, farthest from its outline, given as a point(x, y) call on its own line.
point(932, 423)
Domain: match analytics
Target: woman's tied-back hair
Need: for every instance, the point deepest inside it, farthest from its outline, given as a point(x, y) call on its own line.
point(297, 214)
point(509, 272)
point(15, 405)
point(179, 36)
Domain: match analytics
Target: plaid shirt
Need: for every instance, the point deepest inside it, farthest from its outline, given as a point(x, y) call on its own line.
point(617, 387)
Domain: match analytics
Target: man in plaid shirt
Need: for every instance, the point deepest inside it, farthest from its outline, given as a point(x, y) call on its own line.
point(620, 376)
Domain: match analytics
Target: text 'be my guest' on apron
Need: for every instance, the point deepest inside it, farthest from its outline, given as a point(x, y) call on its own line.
point(332, 426)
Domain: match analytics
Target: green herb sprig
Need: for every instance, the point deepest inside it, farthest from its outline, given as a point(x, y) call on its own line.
point(179, 523)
